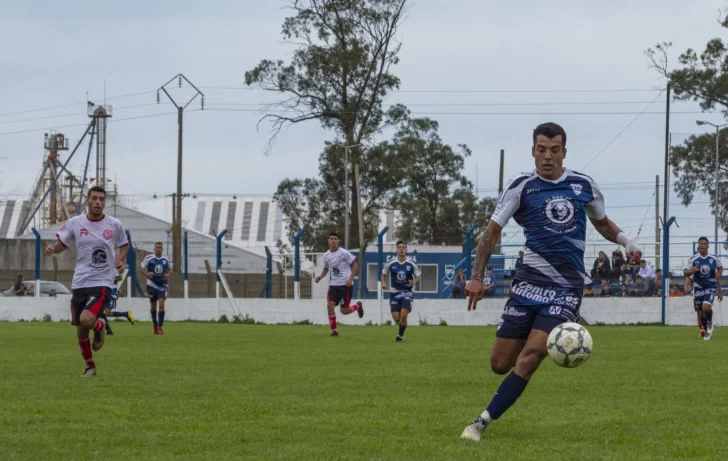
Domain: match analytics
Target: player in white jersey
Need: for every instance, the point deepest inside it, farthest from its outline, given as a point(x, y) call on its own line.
point(96, 237)
point(343, 268)
point(552, 205)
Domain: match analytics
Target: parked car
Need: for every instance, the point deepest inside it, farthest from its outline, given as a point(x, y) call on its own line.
point(45, 288)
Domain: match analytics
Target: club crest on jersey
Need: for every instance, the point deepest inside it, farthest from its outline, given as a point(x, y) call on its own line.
point(704, 269)
point(99, 258)
point(401, 276)
point(83, 232)
point(576, 188)
point(108, 233)
point(158, 269)
point(558, 211)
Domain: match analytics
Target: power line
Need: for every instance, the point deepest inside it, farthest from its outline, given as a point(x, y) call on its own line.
point(633, 90)
point(487, 113)
point(486, 104)
point(623, 130)
point(72, 104)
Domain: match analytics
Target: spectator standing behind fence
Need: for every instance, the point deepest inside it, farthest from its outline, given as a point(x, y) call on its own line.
point(458, 285)
point(19, 288)
point(629, 271)
point(617, 262)
point(489, 282)
point(602, 269)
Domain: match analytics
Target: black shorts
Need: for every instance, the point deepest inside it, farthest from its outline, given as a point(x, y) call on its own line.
point(339, 295)
point(94, 299)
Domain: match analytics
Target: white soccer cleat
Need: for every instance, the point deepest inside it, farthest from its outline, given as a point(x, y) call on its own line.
point(473, 432)
point(709, 332)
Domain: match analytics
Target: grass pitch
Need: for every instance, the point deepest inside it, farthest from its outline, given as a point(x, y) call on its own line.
point(209, 391)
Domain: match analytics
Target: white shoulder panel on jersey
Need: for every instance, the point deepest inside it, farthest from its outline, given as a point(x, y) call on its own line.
point(594, 209)
point(510, 198)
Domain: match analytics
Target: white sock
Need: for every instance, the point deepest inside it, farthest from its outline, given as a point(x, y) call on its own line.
point(486, 416)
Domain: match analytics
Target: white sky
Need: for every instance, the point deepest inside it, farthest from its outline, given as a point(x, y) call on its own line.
point(53, 55)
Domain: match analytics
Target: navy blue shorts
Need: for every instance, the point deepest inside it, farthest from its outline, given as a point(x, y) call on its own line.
point(402, 300)
point(539, 307)
point(112, 303)
point(156, 293)
point(703, 295)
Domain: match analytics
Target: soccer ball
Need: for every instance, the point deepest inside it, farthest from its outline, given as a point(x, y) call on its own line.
point(569, 345)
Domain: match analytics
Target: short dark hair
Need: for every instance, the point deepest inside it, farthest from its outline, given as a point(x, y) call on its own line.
point(402, 242)
point(158, 243)
point(334, 234)
point(550, 130)
point(703, 238)
point(98, 189)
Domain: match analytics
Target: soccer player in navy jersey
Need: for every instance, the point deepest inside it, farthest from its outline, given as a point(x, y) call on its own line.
point(705, 271)
point(552, 205)
point(156, 268)
point(404, 275)
point(110, 310)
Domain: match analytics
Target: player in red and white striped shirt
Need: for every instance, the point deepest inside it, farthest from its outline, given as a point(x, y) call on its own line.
point(96, 237)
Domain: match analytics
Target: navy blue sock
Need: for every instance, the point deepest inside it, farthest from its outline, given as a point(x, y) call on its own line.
point(510, 389)
point(705, 320)
point(154, 317)
point(401, 330)
point(118, 314)
point(709, 316)
point(161, 318)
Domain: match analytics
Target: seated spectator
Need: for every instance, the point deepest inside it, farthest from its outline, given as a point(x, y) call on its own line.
point(655, 287)
point(489, 282)
point(458, 285)
point(602, 270)
point(617, 262)
point(606, 290)
point(623, 291)
point(589, 292)
point(629, 271)
point(640, 289)
point(52, 293)
point(646, 271)
point(675, 291)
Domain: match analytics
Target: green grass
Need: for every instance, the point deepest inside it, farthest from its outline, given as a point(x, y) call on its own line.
point(227, 391)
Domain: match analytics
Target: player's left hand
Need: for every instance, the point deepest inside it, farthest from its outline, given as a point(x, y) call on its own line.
point(474, 290)
point(120, 265)
point(349, 282)
point(720, 295)
point(412, 283)
point(166, 275)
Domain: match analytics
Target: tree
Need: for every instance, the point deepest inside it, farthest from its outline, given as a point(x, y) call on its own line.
point(436, 202)
point(339, 74)
point(702, 78)
point(693, 164)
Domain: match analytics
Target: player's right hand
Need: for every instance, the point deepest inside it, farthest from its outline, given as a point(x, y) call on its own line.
point(384, 286)
point(317, 279)
point(474, 290)
point(49, 250)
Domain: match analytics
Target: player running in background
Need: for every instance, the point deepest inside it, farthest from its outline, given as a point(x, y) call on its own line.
point(343, 267)
point(404, 275)
point(96, 237)
point(156, 268)
point(705, 270)
point(111, 310)
point(552, 204)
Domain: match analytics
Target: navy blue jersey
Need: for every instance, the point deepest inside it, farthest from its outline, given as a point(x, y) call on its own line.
point(158, 267)
point(400, 274)
point(707, 270)
point(553, 215)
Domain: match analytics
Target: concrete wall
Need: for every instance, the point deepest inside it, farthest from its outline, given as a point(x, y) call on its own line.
point(608, 311)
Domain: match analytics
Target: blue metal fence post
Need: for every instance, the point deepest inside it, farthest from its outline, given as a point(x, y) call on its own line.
point(297, 266)
point(268, 273)
point(666, 263)
point(131, 263)
point(380, 260)
point(37, 261)
point(468, 250)
point(218, 261)
point(186, 267)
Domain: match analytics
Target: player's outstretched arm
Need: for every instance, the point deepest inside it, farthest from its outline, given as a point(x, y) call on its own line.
point(322, 275)
point(354, 272)
point(613, 233)
point(55, 248)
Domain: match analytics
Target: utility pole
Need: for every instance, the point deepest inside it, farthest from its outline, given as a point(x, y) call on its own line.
point(177, 219)
point(498, 249)
point(667, 156)
point(657, 222)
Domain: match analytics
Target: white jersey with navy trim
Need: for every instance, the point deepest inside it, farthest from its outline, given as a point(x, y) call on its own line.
point(553, 215)
point(708, 266)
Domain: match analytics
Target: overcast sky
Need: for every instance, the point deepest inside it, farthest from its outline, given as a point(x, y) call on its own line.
point(508, 53)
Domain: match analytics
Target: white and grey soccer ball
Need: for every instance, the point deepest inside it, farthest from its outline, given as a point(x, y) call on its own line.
point(569, 345)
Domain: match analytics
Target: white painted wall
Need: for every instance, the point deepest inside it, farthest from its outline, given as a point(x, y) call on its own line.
point(679, 311)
